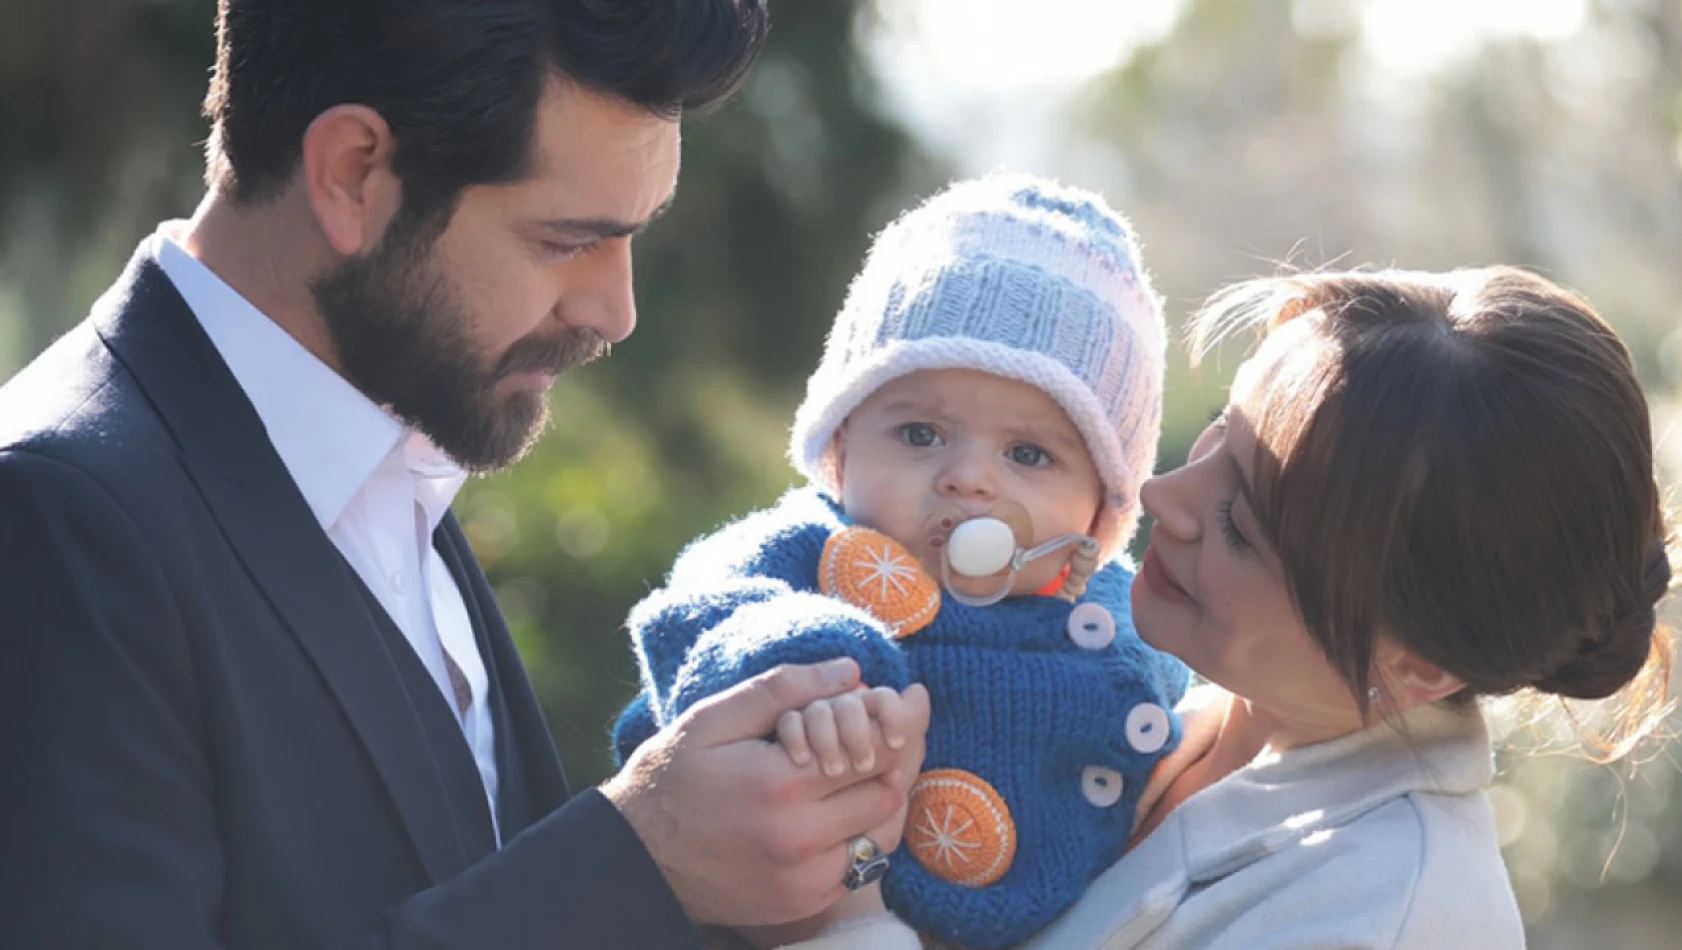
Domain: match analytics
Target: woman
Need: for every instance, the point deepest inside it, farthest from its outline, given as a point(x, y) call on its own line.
point(1426, 489)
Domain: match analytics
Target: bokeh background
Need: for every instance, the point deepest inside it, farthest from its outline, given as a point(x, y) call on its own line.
point(1242, 136)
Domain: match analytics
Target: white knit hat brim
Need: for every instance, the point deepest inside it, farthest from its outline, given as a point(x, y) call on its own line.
point(831, 397)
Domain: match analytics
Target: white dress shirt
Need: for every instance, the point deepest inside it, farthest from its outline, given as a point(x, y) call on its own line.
point(378, 488)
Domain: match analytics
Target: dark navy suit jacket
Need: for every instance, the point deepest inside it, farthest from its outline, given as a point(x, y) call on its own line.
point(210, 734)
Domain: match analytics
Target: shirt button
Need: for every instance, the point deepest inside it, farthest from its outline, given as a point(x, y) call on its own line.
point(397, 582)
point(1091, 627)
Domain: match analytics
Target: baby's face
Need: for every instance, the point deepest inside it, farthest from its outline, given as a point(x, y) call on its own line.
point(955, 442)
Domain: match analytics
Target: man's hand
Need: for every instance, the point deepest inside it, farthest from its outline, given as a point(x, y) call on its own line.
point(745, 836)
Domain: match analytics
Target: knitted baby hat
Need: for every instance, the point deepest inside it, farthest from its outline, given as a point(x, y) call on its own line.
point(1017, 276)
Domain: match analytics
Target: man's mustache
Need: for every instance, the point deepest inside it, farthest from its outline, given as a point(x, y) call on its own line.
point(553, 355)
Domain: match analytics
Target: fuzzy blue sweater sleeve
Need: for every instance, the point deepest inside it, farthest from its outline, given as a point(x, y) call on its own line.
point(742, 601)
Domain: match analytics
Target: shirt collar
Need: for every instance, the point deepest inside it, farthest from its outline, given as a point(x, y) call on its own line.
point(330, 436)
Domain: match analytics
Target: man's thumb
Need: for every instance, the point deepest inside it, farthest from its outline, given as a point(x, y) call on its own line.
point(750, 710)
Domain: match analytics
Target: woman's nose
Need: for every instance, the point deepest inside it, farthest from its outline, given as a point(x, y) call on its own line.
point(1165, 499)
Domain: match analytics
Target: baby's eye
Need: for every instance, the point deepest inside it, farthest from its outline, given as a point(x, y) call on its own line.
point(919, 435)
point(1030, 455)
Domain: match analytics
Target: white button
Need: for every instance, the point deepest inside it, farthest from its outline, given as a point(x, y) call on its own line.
point(397, 581)
point(1102, 787)
point(1147, 728)
point(1091, 627)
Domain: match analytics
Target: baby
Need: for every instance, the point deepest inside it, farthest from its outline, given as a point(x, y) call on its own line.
point(988, 403)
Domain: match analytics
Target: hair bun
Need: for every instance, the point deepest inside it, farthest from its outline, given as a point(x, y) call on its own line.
point(1606, 663)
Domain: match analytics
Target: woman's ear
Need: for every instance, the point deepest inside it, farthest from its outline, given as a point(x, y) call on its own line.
point(1407, 679)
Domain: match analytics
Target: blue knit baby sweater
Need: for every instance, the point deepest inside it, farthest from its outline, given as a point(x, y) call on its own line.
point(1064, 734)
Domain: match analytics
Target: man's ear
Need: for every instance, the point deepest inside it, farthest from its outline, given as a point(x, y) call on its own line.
point(347, 176)
point(1407, 679)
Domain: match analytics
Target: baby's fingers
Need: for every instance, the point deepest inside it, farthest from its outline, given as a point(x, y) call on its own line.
point(852, 721)
point(890, 711)
point(821, 733)
point(791, 733)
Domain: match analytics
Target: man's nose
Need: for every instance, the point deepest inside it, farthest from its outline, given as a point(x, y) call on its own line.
point(599, 292)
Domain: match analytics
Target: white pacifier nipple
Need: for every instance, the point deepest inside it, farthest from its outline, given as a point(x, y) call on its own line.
point(981, 557)
point(981, 547)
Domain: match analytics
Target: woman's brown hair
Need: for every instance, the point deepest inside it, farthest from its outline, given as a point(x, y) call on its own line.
point(1463, 462)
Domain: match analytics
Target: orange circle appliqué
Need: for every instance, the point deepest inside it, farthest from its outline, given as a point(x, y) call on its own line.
point(868, 569)
point(959, 828)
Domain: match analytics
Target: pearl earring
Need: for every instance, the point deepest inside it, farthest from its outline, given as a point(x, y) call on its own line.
point(1374, 694)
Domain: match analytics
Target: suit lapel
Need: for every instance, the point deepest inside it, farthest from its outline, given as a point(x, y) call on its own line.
point(532, 783)
point(270, 528)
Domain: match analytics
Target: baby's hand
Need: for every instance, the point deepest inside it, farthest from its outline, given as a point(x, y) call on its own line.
point(840, 729)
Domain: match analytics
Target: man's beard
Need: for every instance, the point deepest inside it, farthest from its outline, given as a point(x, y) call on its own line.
point(401, 334)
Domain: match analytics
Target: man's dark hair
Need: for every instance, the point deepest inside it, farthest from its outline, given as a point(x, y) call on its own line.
point(458, 81)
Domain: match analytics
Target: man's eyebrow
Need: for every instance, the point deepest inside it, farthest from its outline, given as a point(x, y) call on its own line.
point(604, 228)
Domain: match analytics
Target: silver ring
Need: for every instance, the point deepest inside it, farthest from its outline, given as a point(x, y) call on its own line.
point(868, 863)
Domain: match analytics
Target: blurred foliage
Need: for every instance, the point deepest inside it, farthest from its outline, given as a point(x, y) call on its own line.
point(1254, 134)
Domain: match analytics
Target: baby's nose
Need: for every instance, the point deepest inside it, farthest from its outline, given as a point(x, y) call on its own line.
point(968, 477)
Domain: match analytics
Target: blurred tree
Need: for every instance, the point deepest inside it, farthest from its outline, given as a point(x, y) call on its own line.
point(98, 122)
point(1257, 132)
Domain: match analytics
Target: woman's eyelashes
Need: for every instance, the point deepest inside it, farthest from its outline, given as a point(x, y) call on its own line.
point(1229, 527)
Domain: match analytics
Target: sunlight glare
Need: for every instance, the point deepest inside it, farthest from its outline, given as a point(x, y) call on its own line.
point(1414, 37)
point(993, 44)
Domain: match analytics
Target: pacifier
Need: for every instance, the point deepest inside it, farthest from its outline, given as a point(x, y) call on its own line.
point(980, 557)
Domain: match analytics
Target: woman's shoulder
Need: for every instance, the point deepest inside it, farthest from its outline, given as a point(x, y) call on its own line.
point(1419, 871)
point(1461, 893)
point(1423, 870)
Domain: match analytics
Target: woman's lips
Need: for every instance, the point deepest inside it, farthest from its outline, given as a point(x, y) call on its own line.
point(1160, 582)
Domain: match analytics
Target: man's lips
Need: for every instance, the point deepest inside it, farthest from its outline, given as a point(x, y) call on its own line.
point(1160, 582)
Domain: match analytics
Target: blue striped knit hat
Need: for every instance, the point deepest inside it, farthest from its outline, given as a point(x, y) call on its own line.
point(1012, 275)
